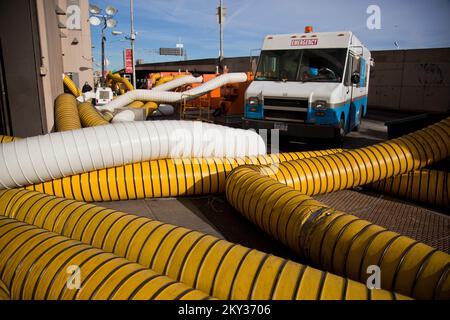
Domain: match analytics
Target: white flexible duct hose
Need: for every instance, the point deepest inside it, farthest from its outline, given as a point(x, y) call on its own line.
point(178, 83)
point(124, 116)
point(173, 97)
point(61, 154)
point(164, 110)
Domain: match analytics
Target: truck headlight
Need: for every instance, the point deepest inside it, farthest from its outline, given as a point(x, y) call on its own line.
point(320, 105)
point(253, 101)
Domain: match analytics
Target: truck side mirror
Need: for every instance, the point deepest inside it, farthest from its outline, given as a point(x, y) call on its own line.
point(355, 78)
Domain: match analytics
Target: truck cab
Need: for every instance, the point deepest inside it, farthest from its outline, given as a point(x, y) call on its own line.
point(310, 85)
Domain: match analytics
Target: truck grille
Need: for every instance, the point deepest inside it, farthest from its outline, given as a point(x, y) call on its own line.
point(285, 109)
point(285, 102)
point(284, 115)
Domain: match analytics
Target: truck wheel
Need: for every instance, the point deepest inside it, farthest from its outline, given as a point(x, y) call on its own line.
point(356, 128)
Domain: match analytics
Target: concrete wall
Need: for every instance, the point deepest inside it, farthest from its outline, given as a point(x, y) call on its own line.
point(35, 51)
point(77, 57)
point(411, 80)
point(52, 64)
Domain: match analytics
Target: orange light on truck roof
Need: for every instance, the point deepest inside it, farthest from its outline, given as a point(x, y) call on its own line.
point(308, 29)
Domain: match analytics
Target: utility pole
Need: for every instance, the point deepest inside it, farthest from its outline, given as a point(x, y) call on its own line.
point(132, 39)
point(221, 13)
point(103, 79)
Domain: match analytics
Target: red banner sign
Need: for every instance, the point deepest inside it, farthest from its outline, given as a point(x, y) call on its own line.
point(128, 60)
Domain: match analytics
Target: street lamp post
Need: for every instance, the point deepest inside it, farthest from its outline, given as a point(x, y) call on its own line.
point(103, 82)
point(132, 39)
point(221, 14)
point(107, 21)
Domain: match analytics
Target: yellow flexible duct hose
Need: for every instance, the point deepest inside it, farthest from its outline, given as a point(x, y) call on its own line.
point(66, 113)
point(89, 116)
point(158, 178)
point(339, 242)
point(150, 107)
point(4, 291)
point(333, 240)
point(136, 105)
point(127, 84)
point(34, 262)
point(4, 139)
point(118, 78)
point(154, 77)
point(163, 80)
point(107, 115)
point(71, 86)
point(221, 269)
point(352, 168)
point(429, 187)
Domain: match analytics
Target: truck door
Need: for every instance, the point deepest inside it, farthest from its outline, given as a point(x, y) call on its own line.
point(354, 90)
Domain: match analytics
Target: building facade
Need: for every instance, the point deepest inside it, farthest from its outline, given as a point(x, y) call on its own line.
point(39, 41)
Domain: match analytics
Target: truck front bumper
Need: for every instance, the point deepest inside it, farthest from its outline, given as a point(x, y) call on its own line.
point(294, 129)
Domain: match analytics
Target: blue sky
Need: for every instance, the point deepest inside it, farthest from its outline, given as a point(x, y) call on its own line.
point(162, 23)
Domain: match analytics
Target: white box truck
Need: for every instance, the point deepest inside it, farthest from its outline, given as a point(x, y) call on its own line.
point(309, 85)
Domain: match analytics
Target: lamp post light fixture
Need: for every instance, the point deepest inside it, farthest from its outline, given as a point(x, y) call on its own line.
point(105, 19)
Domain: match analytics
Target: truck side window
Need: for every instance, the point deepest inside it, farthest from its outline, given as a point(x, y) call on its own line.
point(354, 65)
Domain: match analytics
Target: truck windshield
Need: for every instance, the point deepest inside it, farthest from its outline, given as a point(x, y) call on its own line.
point(320, 65)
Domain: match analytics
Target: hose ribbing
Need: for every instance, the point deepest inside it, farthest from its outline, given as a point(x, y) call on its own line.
point(159, 178)
point(336, 241)
point(5, 139)
point(34, 262)
point(71, 86)
point(89, 116)
point(429, 187)
point(118, 79)
point(178, 81)
point(4, 291)
point(163, 80)
point(55, 155)
point(66, 113)
point(352, 168)
point(136, 105)
point(172, 97)
point(150, 107)
point(214, 266)
point(107, 115)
